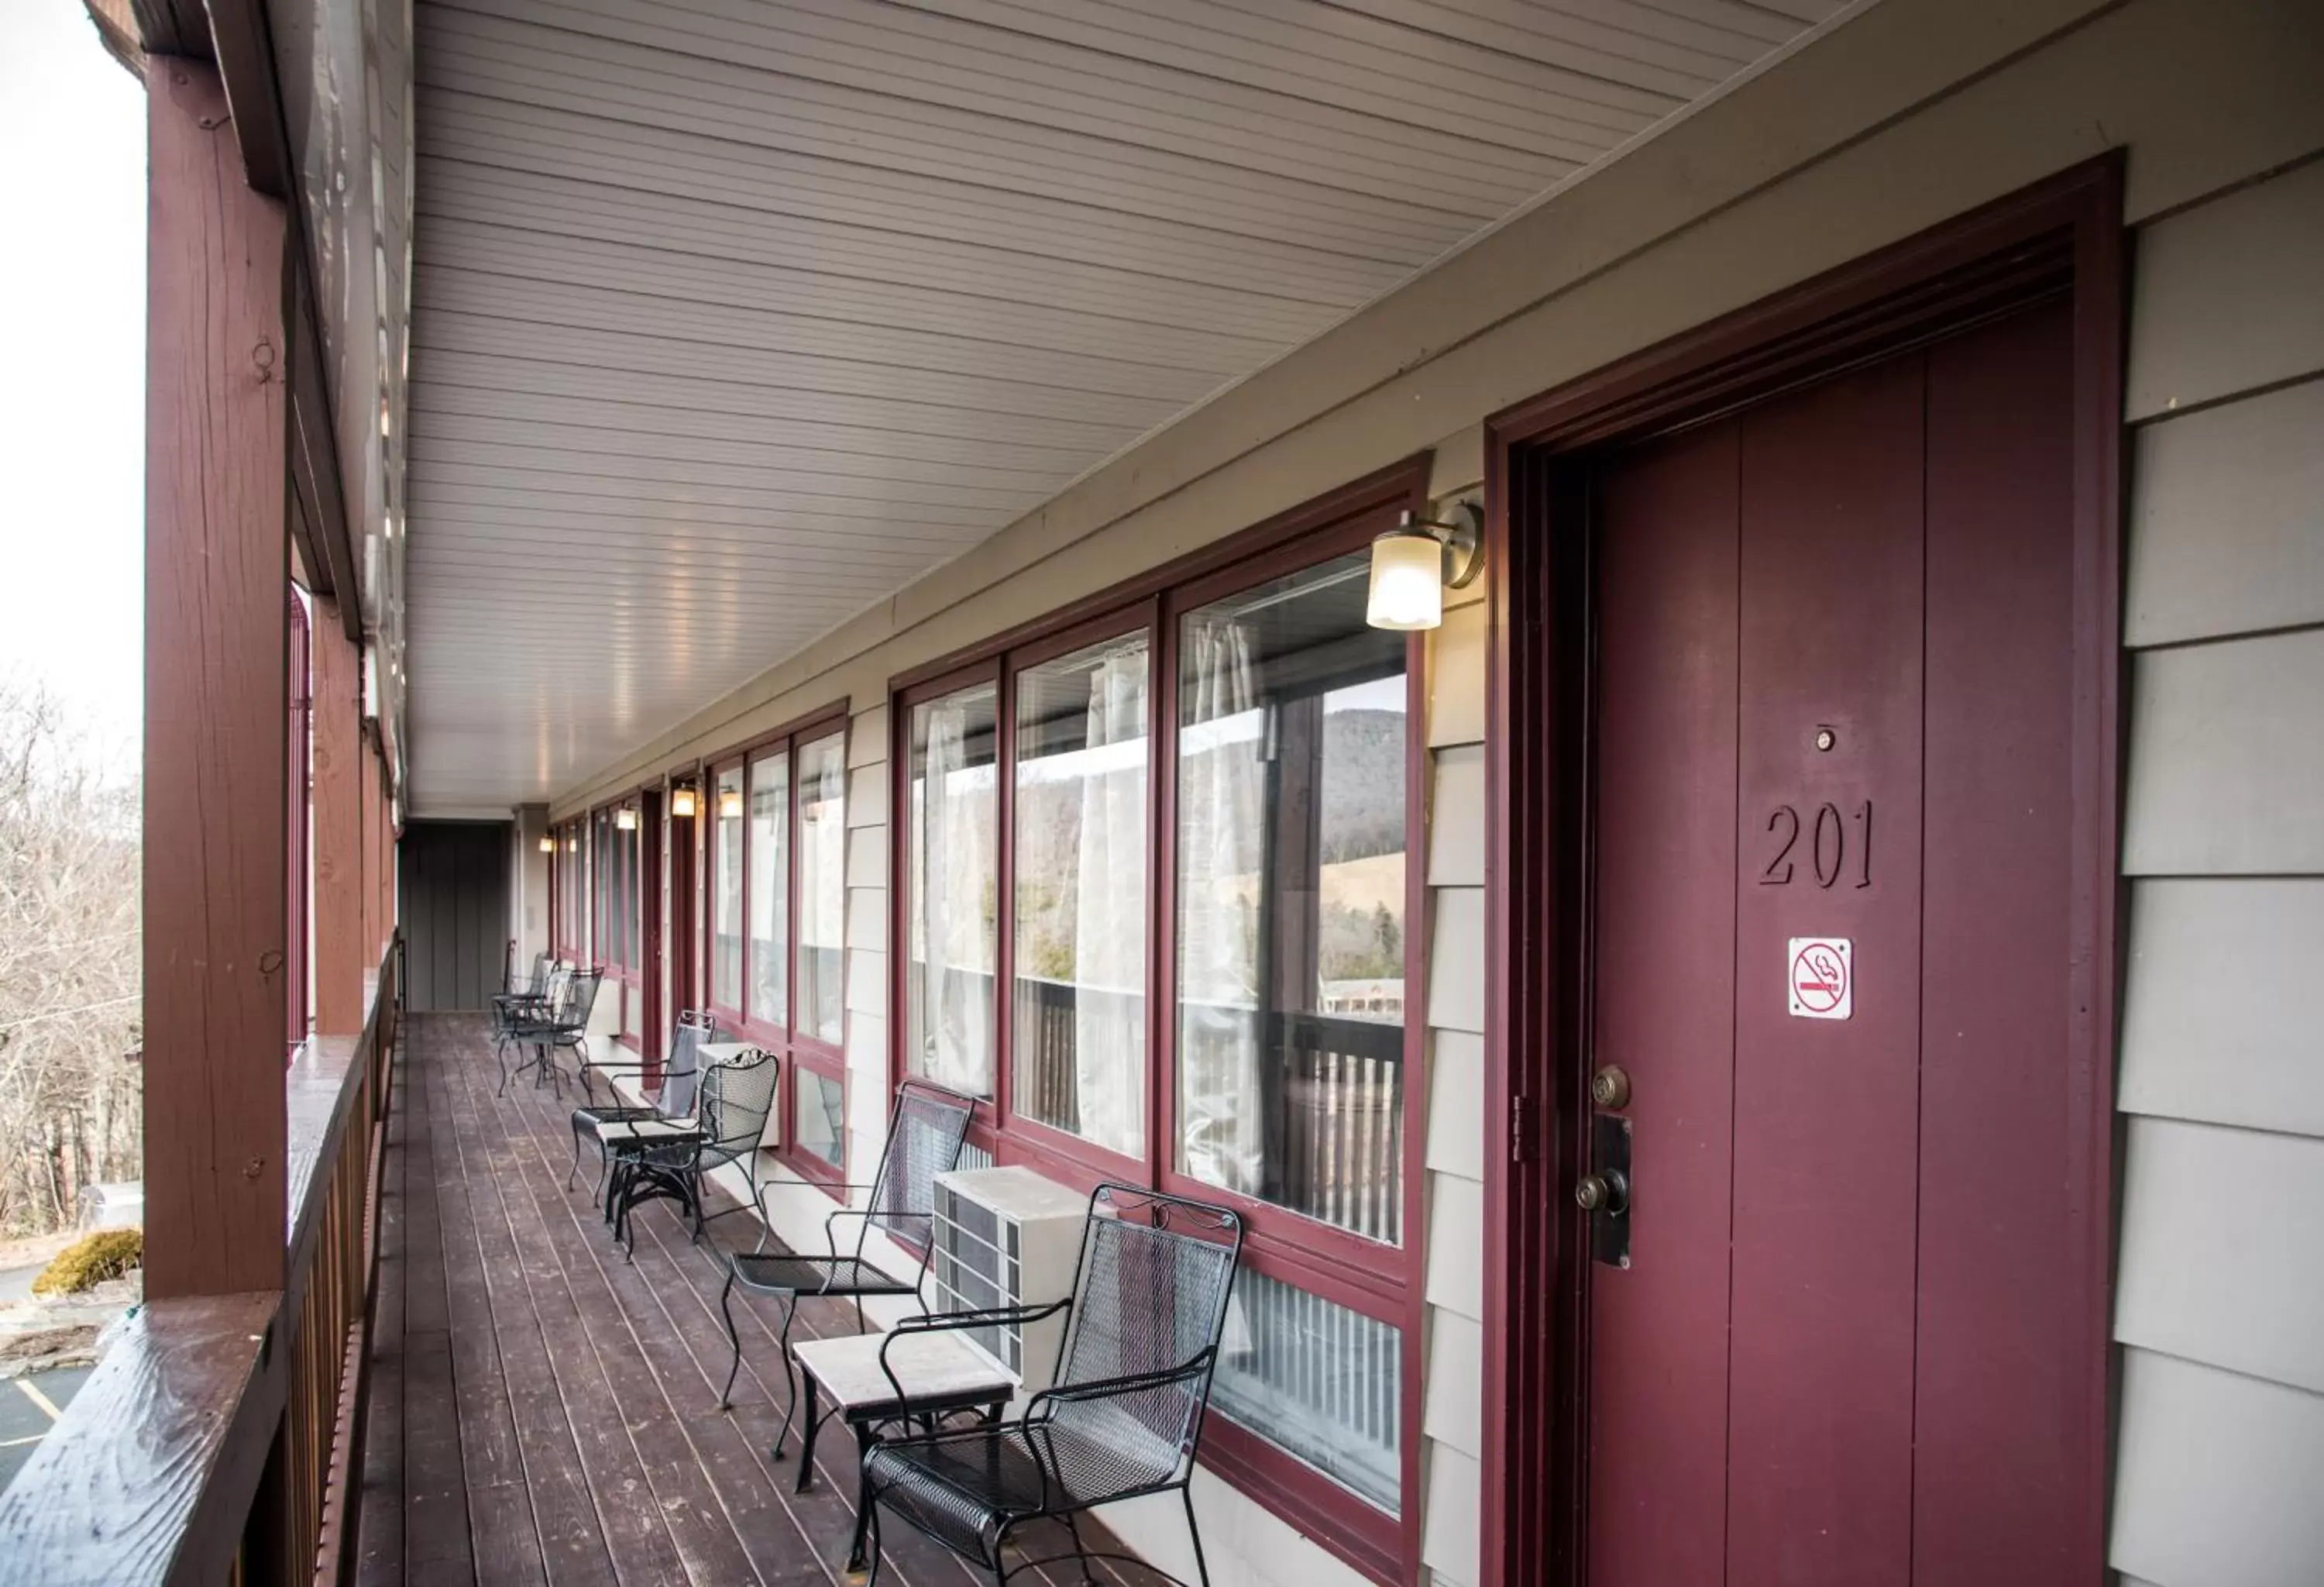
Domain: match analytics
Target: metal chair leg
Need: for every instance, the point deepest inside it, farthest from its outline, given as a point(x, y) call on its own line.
point(790, 1377)
point(573, 1172)
point(867, 1534)
point(1201, 1569)
point(1080, 1549)
point(726, 1310)
point(611, 1181)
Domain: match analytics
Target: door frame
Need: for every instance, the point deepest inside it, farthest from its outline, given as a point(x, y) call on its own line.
point(2061, 237)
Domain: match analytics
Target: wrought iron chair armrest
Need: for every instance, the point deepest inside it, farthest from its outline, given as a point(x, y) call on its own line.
point(1108, 1387)
point(987, 1317)
point(767, 1228)
point(831, 1238)
point(614, 1070)
point(956, 1322)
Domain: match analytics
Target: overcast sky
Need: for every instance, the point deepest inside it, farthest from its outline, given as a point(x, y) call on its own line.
point(72, 401)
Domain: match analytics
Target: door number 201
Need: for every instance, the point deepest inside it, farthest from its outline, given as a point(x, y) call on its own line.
point(1830, 846)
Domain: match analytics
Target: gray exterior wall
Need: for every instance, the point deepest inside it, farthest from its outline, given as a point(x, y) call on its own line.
point(453, 883)
point(1906, 115)
point(2219, 1303)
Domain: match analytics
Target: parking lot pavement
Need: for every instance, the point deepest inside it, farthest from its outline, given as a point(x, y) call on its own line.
point(28, 1407)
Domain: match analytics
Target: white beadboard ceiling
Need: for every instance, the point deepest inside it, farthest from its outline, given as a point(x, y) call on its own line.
point(731, 317)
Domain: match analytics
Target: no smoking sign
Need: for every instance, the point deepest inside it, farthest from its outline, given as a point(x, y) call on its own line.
point(1821, 980)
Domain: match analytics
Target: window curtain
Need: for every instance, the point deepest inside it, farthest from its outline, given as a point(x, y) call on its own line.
point(1110, 914)
point(1221, 797)
point(957, 985)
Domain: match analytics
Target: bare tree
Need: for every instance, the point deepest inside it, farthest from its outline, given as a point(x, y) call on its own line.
point(69, 965)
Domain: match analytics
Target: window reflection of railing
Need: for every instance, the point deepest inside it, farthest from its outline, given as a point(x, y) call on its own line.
point(822, 971)
point(1323, 1382)
point(1328, 1137)
point(822, 988)
point(1047, 1053)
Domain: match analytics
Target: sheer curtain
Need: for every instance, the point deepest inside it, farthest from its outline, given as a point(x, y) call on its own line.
point(1110, 913)
point(1221, 795)
point(957, 989)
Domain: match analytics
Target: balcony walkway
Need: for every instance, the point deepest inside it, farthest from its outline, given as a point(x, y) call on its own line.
point(509, 1327)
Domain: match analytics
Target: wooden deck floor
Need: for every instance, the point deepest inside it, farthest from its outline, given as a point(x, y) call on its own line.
point(542, 1411)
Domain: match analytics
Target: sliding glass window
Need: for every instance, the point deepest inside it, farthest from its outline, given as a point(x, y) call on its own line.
point(951, 859)
point(1078, 1006)
point(726, 890)
point(779, 905)
point(822, 1009)
point(1291, 900)
point(768, 851)
point(1209, 784)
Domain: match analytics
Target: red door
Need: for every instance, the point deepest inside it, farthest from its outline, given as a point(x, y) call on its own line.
point(1832, 726)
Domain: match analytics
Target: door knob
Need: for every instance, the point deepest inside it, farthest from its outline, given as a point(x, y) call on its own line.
point(1609, 1193)
point(1610, 1087)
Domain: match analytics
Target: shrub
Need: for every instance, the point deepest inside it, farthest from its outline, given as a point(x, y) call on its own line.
point(90, 1260)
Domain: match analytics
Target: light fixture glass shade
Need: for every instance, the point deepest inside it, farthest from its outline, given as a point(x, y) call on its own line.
point(681, 802)
point(572, 845)
point(730, 803)
point(625, 819)
point(1407, 589)
point(548, 844)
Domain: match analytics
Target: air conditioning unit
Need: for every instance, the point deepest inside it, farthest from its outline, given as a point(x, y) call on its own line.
point(1007, 1237)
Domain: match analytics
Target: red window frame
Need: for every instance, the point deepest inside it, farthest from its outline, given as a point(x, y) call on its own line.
point(800, 1051)
point(617, 899)
point(1379, 1281)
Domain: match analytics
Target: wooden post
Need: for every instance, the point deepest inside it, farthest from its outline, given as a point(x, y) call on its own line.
point(367, 895)
point(341, 944)
point(217, 563)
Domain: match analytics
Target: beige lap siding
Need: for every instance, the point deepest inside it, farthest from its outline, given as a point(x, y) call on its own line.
point(867, 940)
point(1452, 1400)
point(2219, 1300)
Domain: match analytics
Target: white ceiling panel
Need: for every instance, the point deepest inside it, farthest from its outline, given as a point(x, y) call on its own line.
point(732, 317)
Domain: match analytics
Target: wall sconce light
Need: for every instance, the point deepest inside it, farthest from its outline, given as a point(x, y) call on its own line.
point(548, 844)
point(625, 819)
point(572, 845)
point(681, 801)
point(1417, 561)
point(730, 803)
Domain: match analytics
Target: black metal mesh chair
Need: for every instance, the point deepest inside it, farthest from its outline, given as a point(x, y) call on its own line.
point(521, 999)
point(667, 1159)
point(674, 1099)
point(1121, 1417)
point(926, 1131)
point(561, 1025)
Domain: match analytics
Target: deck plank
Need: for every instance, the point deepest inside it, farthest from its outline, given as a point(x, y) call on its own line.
point(378, 1526)
point(652, 1477)
point(506, 1539)
point(544, 1409)
point(572, 1536)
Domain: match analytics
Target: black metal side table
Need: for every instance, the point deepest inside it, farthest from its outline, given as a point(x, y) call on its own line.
point(941, 1373)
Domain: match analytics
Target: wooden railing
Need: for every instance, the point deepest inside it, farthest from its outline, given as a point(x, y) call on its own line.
point(216, 1441)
